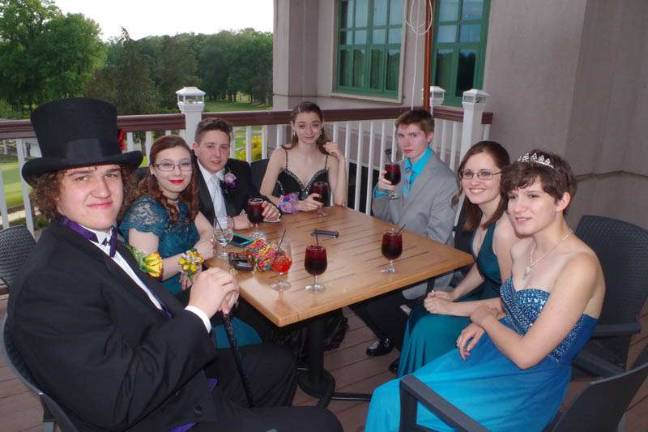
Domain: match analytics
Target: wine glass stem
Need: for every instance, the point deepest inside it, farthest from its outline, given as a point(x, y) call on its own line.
point(391, 266)
point(315, 280)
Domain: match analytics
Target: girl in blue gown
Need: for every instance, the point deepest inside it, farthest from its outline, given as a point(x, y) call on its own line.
point(512, 364)
point(428, 335)
point(165, 218)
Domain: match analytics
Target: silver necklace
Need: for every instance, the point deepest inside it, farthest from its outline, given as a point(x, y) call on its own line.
point(531, 264)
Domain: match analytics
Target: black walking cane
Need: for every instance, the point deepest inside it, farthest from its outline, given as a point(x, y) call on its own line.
point(229, 330)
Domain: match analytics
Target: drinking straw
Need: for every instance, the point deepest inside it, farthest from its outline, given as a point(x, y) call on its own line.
point(401, 229)
point(317, 239)
point(279, 246)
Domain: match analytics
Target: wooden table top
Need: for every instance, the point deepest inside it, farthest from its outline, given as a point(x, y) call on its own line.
point(354, 263)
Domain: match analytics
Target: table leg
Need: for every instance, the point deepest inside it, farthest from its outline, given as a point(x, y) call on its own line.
point(316, 381)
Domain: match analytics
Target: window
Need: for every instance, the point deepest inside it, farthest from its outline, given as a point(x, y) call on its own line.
point(369, 34)
point(459, 46)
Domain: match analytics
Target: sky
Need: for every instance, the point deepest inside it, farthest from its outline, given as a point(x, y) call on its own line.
point(163, 17)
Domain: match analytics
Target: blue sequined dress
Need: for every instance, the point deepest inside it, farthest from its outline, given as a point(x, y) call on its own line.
point(427, 336)
point(488, 386)
point(146, 214)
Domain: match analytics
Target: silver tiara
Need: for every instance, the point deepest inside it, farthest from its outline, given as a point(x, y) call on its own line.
point(534, 158)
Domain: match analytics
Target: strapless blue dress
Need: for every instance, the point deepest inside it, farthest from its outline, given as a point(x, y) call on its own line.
point(488, 386)
point(427, 336)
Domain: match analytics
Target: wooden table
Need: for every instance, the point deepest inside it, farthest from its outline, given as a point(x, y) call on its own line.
point(353, 274)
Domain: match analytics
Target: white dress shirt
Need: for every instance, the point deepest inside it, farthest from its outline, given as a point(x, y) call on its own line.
point(215, 192)
point(121, 262)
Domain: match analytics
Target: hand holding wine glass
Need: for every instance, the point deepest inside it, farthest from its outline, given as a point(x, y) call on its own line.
point(393, 176)
point(323, 191)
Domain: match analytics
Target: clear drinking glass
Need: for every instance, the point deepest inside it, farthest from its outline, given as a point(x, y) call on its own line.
point(223, 234)
point(315, 263)
point(392, 248)
point(281, 264)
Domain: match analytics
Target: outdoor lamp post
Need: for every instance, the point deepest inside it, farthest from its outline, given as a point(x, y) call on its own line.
point(437, 94)
point(191, 102)
point(474, 103)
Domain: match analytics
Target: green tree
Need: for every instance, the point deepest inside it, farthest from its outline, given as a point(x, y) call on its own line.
point(44, 54)
point(176, 68)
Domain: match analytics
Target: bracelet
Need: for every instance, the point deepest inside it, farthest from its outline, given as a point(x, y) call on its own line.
point(190, 261)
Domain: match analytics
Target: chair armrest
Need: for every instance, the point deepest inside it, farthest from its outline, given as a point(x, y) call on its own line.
point(595, 365)
point(413, 390)
point(610, 330)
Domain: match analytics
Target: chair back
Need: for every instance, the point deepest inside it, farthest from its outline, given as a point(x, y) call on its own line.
point(602, 404)
point(53, 414)
point(622, 249)
point(16, 243)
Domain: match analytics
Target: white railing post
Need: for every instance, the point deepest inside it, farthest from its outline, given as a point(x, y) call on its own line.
point(191, 102)
point(474, 102)
point(29, 220)
point(437, 94)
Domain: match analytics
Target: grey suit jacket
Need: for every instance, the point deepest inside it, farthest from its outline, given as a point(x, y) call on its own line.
point(428, 209)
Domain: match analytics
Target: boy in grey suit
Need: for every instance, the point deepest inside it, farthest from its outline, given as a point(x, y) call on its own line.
point(424, 205)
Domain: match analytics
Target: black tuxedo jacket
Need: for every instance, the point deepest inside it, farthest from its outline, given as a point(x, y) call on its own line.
point(95, 342)
point(235, 199)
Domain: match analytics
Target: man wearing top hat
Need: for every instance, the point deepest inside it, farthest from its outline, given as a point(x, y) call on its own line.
point(107, 342)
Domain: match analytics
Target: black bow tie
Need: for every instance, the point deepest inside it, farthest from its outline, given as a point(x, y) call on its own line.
point(89, 235)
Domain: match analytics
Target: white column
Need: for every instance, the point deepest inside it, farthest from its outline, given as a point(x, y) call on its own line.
point(474, 102)
point(191, 102)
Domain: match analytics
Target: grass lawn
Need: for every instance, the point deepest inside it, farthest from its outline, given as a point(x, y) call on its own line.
point(11, 178)
point(223, 106)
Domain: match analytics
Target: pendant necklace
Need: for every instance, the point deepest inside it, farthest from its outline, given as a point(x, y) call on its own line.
point(531, 263)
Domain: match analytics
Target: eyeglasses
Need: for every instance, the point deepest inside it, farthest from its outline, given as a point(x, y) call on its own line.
point(481, 174)
point(170, 166)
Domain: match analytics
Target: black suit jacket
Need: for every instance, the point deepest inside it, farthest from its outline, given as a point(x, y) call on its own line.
point(94, 341)
point(235, 199)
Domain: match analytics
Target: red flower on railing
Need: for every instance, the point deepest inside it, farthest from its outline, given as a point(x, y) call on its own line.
point(121, 139)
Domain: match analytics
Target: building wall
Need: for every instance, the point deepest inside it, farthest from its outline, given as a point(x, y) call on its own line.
point(568, 76)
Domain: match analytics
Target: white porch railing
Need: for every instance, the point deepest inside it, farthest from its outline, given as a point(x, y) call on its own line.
point(363, 134)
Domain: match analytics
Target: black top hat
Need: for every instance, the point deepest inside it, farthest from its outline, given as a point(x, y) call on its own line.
point(74, 133)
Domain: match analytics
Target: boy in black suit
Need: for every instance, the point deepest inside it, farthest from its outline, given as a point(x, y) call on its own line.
point(106, 341)
point(225, 184)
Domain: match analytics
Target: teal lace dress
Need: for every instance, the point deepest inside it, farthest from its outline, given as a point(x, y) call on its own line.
point(147, 215)
point(488, 386)
point(427, 336)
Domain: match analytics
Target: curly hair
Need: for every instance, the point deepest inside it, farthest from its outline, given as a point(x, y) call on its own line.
point(47, 188)
point(150, 186)
point(308, 107)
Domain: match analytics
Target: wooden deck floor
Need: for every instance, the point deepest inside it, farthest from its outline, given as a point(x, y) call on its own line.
point(353, 371)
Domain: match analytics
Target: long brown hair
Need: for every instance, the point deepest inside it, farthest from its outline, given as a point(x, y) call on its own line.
point(473, 212)
point(308, 107)
point(149, 184)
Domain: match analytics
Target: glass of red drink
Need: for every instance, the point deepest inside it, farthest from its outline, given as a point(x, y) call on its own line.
point(254, 212)
point(393, 175)
point(315, 264)
point(392, 248)
point(324, 191)
point(281, 264)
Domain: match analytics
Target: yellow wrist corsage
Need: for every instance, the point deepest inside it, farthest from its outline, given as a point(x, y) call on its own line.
point(151, 263)
point(190, 262)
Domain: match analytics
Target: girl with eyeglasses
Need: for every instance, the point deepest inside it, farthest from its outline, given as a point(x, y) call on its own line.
point(487, 234)
point(165, 219)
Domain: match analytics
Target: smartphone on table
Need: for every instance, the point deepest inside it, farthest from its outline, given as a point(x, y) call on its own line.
point(240, 240)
